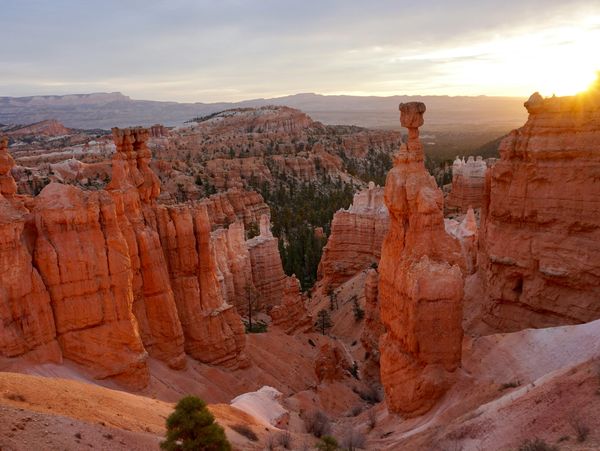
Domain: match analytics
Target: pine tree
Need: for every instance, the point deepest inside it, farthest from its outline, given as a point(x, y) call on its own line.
point(191, 427)
point(323, 321)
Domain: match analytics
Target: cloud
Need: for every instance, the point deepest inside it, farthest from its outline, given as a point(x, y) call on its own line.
point(233, 49)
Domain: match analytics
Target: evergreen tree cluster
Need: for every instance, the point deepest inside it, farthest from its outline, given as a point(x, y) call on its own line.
point(297, 209)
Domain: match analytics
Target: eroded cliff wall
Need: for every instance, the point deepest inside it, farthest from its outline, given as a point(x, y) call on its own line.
point(539, 258)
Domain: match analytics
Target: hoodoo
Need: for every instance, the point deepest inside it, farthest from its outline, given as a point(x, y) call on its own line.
point(468, 184)
point(356, 237)
point(540, 253)
point(420, 284)
point(105, 277)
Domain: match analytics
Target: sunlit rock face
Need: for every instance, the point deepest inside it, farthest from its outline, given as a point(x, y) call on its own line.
point(420, 283)
point(104, 278)
point(356, 237)
point(540, 251)
point(27, 326)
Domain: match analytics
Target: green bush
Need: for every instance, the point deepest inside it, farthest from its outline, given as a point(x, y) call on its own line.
point(191, 427)
point(327, 443)
point(536, 445)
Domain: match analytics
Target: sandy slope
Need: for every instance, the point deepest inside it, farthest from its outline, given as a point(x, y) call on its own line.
point(556, 373)
point(51, 413)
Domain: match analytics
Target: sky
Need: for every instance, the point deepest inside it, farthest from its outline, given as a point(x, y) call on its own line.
point(226, 50)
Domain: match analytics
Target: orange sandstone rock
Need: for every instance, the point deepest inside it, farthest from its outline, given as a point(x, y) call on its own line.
point(292, 315)
point(373, 328)
point(420, 284)
point(356, 237)
point(235, 205)
point(26, 320)
point(540, 252)
point(213, 331)
point(466, 232)
point(332, 363)
point(234, 266)
point(83, 259)
point(468, 184)
point(154, 303)
point(267, 270)
point(8, 187)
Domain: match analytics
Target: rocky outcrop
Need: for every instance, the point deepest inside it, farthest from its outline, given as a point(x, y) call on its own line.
point(466, 232)
point(420, 284)
point(158, 131)
point(292, 315)
point(105, 277)
point(50, 127)
point(212, 329)
point(332, 363)
point(468, 184)
point(373, 328)
point(234, 266)
point(539, 259)
point(83, 259)
point(26, 320)
point(133, 188)
point(356, 237)
point(236, 205)
point(267, 270)
point(8, 187)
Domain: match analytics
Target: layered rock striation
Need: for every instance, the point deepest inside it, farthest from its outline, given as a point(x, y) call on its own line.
point(539, 258)
point(234, 205)
point(420, 283)
point(468, 184)
point(105, 277)
point(356, 237)
point(373, 328)
point(267, 271)
point(26, 319)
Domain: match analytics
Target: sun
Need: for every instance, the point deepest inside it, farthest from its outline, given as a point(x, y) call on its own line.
point(564, 81)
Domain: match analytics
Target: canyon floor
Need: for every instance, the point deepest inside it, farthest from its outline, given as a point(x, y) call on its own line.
point(512, 387)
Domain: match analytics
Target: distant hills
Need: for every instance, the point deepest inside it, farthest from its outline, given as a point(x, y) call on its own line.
point(106, 110)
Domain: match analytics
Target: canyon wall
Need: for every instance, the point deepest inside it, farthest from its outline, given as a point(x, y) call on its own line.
point(373, 328)
point(468, 184)
point(356, 237)
point(105, 277)
point(26, 320)
point(539, 257)
point(235, 205)
point(420, 283)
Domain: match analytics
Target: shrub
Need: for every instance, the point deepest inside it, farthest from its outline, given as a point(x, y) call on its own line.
point(317, 423)
point(15, 397)
point(285, 439)
point(372, 394)
point(372, 419)
point(581, 429)
point(536, 445)
point(354, 371)
point(323, 322)
point(192, 426)
point(356, 410)
point(258, 327)
point(327, 443)
point(511, 384)
point(359, 313)
point(353, 440)
point(244, 430)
